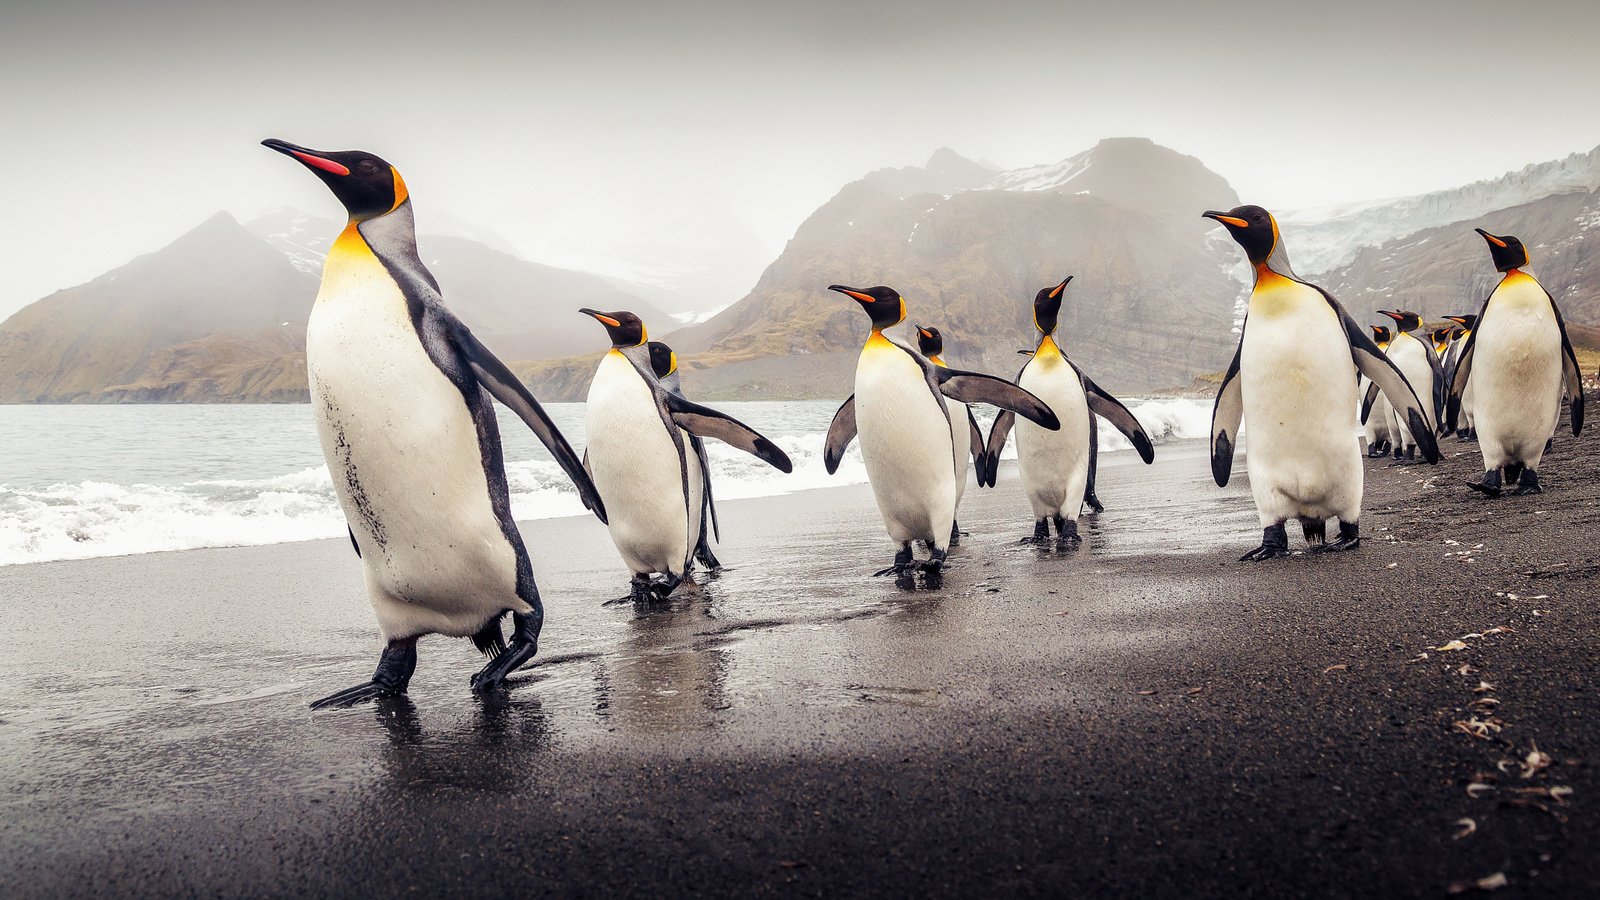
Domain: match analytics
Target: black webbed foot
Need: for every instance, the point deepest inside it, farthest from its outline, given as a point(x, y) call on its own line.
point(1067, 532)
point(1041, 533)
point(1528, 483)
point(1491, 484)
point(955, 534)
point(525, 628)
point(902, 563)
point(934, 564)
point(1093, 502)
point(1349, 539)
point(399, 660)
point(1274, 543)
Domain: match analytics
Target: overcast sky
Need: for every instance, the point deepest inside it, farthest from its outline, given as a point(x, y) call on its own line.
point(663, 133)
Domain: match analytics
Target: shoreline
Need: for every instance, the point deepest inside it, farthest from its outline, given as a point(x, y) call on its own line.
point(1144, 716)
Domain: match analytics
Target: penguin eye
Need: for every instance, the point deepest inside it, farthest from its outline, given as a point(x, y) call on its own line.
point(366, 165)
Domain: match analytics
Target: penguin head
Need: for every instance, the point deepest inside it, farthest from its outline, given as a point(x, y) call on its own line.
point(1047, 306)
point(625, 328)
point(884, 304)
point(1466, 322)
point(662, 360)
point(929, 341)
point(1380, 335)
point(1404, 320)
point(366, 185)
point(1507, 251)
point(1441, 338)
point(1255, 230)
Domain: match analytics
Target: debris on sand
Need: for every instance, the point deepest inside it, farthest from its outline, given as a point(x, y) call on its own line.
point(1338, 667)
point(1478, 788)
point(1466, 828)
point(1487, 883)
point(1535, 762)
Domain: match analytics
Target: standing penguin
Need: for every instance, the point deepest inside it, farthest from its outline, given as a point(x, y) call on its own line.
point(1378, 420)
point(664, 363)
point(1090, 498)
point(1054, 464)
point(1441, 341)
point(908, 444)
point(963, 425)
point(1417, 361)
point(1451, 363)
point(1518, 362)
point(651, 480)
point(1293, 380)
point(401, 390)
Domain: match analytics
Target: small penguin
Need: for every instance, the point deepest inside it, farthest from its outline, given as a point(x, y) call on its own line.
point(664, 363)
point(401, 391)
point(1293, 380)
point(1441, 340)
point(1451, 362)
point(963, 428)
point(1423, 370)
point(1054, 464)
point(1378, 423)
point(651, 481)
point(1090, 498)
point(907, 441)
point(1519, 363)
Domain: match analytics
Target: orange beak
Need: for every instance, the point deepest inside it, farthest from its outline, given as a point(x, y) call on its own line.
point(1226, 219)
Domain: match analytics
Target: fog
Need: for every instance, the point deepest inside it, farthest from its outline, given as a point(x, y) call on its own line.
point(682, 143)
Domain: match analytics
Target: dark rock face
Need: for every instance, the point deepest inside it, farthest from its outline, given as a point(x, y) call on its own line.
point(1447, 270)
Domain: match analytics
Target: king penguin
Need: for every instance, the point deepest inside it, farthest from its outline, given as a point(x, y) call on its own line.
point(1518, 362)
point(1293, 381)
point(1463, 432)
point(1378, 422)
point(963, 425)
point(642, 466)
point(1424, 372)
point(1054, 464)
point(907, 441)
point(664, 362)
point(401, 390)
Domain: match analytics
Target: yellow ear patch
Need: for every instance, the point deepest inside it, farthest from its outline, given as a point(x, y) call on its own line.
point(672, 362)
point(400, 192)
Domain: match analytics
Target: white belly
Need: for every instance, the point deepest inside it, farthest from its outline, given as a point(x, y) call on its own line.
point(1298, 386)
point(905, 444)
point(1054, 465)
point(1379, 418)
point(403, 452)
point(637, 470)
point(1516, 374)
point(1410, 356)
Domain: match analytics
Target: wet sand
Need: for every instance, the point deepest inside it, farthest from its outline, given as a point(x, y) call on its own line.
point(1144, 716)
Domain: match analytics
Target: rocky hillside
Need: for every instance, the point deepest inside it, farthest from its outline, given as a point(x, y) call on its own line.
point(219, 315)
point(1151, 301)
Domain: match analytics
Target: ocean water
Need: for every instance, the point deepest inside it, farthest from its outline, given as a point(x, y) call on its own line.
point(85, 481)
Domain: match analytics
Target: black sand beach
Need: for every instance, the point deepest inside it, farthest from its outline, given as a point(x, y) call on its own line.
point(1141, 717)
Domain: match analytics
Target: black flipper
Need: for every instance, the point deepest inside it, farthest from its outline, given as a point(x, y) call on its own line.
point(709, 510)
point(998, 432)
point(1109, 407)
point(352, 533)
point(840, 433)
point(1572, 378)
point(1438, 386)
point(504, 385)
point(1373, 363)
point(1368, 400)
point(703, 421)
point(1226, 415)
point(973, 387)
point(975, 442)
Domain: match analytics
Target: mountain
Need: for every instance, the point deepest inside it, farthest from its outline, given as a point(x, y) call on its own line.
point(219, 315)
point(1152, 300)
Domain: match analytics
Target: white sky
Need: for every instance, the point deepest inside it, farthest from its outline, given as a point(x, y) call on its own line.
point(699, 135)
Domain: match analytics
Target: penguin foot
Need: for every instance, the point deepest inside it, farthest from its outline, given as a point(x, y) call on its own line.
point(1349, 539)
point(1067, 532)
point(399, 660)
point(524, 644)
point(935, 563)
point(903, 563)
point(1041, 533)
point(705, 557)
point(1093, 502)
point(1528, 484)
point(1274, 543)
point(955, 534)
point(1491, 484)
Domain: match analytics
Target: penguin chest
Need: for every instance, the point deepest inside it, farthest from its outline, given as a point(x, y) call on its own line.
point(1054, 465)
point(1517, 361)
point(1298, 387)
point(638, 470)
point(906, 443)
point(404, 453)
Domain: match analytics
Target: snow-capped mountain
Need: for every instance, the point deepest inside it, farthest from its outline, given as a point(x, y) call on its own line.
point(1329, 237)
